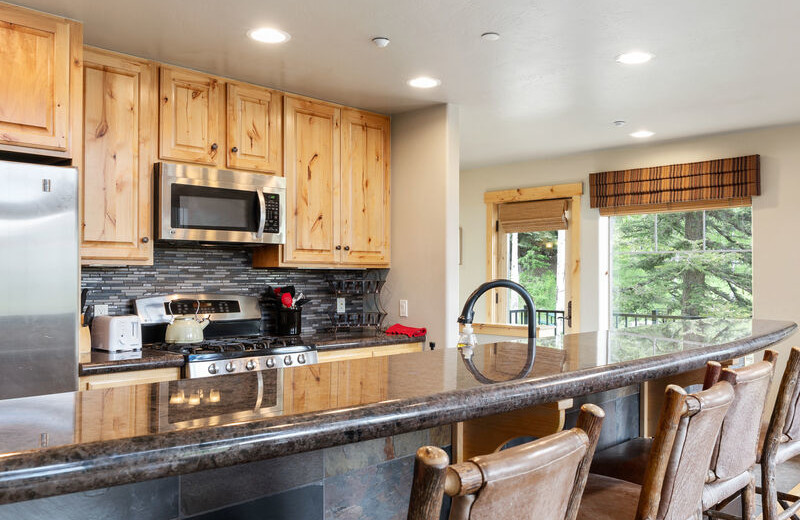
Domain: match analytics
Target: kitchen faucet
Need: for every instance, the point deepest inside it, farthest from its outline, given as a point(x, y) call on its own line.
point(467, 313)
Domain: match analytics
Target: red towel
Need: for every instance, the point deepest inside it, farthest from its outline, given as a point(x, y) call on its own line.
point(411, 332)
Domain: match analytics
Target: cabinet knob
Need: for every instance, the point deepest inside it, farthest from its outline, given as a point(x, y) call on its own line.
point(338, 248)
point(347, 248)
point(145, 240)
point(214, 146)
point(234, 149)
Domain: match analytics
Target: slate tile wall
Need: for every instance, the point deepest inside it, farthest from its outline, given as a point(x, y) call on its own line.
point(215, 269)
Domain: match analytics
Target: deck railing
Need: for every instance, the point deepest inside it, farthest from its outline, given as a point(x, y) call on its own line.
point(543, 317)
point(623, 320)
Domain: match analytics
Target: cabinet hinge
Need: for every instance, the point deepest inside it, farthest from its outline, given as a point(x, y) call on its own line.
point(497, 225)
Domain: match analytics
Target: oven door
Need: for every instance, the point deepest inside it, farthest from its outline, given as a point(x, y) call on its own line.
point(191, 403)
point(208, 205)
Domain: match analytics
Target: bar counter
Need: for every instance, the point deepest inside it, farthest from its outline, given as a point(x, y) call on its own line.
point(63, 443)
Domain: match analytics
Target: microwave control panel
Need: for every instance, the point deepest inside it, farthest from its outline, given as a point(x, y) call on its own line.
point(272, 206)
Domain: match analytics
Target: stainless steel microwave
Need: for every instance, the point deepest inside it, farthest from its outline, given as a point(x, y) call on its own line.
point(200, 204)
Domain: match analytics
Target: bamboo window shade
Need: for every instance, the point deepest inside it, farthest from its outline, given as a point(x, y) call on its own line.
point(535, 215)
point(678, 187)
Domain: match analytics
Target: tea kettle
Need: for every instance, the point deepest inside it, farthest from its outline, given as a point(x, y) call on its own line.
point(186, 329)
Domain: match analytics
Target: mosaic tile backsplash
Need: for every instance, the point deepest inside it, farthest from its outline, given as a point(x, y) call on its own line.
point(205, 269)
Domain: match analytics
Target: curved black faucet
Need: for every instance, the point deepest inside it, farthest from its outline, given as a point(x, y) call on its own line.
point(467, 313)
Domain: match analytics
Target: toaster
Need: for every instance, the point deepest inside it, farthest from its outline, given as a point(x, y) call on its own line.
point(117, 333)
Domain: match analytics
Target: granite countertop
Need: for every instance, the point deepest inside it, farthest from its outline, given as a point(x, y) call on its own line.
point(63, 443)
point(98, 362)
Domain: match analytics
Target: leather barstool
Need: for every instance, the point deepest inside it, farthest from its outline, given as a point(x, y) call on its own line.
point(542, 479)
point(672, 485)
point(730, 471)
point(781, 443)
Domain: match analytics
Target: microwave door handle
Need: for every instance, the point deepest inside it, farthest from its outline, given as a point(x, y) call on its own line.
point(262, 214)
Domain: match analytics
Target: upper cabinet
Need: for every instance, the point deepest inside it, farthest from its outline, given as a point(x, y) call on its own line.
point(254, 129)
point(365, 188)
point(337, 188)
point(120, 128)
point(40, 83)
point(312, 181)
point(190, 106)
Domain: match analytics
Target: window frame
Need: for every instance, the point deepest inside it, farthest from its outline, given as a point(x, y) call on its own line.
point(495, 253)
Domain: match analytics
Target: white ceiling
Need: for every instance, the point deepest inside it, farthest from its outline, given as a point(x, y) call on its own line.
point(549, 86)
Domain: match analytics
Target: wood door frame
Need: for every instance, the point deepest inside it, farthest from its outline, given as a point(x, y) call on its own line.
point(572, 192)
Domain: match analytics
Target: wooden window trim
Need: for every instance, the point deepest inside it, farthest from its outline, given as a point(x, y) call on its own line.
point(493, 199)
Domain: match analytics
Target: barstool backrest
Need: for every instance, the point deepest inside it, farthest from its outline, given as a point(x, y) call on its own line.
point(681, 453)
point(738, 447)
point(543, 479)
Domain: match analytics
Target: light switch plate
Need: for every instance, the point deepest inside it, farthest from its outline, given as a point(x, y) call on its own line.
point(340, 308)
point(404, 308)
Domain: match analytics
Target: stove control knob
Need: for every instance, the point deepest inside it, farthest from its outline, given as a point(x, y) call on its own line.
point(229, 367)
point(270, 362)
point(301, 358)
point(212, 368)
point(287, 360)
point(250, 365)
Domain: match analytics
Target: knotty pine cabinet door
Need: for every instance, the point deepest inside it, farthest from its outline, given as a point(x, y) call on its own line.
point(189, 117)
point(40, 63)
point(311, 147)
point(365, 188)
point(120, 128)
point(254, 132)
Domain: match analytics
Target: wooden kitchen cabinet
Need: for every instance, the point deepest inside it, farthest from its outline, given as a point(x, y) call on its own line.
point(40, 83)
point(365, 189)
point(312, 181)
point(310, 388)
point(254, 129)
point(120, 128)
point(112, 413)
point(189, 117)
point(337, 188)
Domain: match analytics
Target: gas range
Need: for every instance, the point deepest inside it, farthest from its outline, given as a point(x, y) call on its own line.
point(233, 343)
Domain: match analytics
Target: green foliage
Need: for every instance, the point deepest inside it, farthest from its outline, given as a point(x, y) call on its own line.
point(537, 266)
point(683, 264)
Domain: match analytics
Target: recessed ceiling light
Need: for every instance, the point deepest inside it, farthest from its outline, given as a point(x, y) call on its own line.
point(380, 41)
point(641, 134)
point(619, 122)
point(269, 35)
point(490, 36)
point(424, 82)
point(634, 58)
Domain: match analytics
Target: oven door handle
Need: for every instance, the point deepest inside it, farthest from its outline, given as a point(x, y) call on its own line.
point(262, 214)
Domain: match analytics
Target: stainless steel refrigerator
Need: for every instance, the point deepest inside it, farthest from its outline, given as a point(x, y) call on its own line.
point(39, 279)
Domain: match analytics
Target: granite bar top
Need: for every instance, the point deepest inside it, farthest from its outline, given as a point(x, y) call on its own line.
point(62, 443)
point(98, 362)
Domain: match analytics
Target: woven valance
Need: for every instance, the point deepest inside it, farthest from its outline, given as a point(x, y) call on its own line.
point(535, 215)
point(677, 187)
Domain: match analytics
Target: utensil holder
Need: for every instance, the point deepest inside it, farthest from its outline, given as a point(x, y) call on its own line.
point(288, 322)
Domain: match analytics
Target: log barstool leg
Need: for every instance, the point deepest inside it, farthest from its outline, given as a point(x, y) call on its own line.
point(430, 469)
point(749, 500)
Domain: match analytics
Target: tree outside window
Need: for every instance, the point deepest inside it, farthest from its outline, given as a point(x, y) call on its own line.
point(681, 265)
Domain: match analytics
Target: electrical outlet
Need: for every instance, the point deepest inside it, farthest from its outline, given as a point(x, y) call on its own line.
point(100, 310)
point(404, 308)
point(340, 305)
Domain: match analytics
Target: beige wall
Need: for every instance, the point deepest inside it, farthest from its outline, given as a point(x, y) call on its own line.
point(776, 213)
point(425, 200)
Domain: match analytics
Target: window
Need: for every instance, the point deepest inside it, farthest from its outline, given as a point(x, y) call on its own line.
point(532, 238)
point(536, 261)
point(681, 266)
